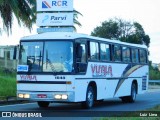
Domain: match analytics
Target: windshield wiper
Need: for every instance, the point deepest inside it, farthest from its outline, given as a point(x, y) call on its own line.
point(50, 63)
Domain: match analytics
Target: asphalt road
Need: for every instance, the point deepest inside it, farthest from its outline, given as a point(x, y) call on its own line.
point(143, 102)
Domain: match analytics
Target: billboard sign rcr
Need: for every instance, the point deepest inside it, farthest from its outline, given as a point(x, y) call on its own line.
point(54, 5)
point(54, 19)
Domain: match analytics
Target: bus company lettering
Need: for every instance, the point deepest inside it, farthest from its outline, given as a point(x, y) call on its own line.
point(101, 70)
point(59, 3)
point(58, 18)
point(28, 77)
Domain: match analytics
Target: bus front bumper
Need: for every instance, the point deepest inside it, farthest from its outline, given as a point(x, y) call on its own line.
point(46, 96)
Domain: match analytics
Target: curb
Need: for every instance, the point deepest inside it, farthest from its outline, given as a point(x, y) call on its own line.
point(10, 100)
point(153, 90)
point(6, 100)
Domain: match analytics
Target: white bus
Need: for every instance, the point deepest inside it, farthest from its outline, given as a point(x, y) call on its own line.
point(72, 67)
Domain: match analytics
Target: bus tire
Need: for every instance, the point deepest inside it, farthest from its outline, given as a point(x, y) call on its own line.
point(132, 97)
point(89, 98)
point(100, 101)
point(43, 104)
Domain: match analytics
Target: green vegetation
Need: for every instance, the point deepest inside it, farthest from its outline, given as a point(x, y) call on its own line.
point(136, 115)
point(154, 73)
point(125, 31)
point(126, 118)
point(8, 86)
point(130, 118)
point(156, 108)
point(23, 10)
point(7, 83)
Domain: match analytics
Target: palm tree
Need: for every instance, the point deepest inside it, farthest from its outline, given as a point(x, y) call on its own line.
point(75, 15)
point(23, 10)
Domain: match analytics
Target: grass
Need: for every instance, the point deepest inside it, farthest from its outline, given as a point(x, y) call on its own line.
point(7, 83)
point(136, 115)
point(8, 86)
point(156, 108)
point(129, 118)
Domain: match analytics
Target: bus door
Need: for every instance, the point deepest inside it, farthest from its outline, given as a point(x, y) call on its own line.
point(81, 56)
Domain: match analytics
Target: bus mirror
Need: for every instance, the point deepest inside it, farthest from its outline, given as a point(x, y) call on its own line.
point(15, 53)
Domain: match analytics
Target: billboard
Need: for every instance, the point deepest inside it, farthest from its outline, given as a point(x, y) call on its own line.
point(54, 5)
point(54, 19)
point(55, 29)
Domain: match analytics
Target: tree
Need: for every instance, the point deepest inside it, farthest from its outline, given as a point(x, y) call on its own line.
point(108, 29)
point(24, 11)
point(122, 30)
point(154, 73)
point(75, 17)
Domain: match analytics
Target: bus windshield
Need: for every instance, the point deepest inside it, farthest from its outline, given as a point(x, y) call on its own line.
point(48, 56)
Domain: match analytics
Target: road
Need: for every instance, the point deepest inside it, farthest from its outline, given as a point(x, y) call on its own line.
point(144, 101)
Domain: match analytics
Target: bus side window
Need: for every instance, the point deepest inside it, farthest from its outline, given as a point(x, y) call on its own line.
point(143, 58)
point(81, 53)
point(135, 55)
point(81, 58)
point(94, 51)
point(126, 54)
point(117, 53)
point(105, 52)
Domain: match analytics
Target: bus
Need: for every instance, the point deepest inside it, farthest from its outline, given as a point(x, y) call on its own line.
point(72, 67)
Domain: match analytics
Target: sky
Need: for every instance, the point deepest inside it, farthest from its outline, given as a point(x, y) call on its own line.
point(145, 12)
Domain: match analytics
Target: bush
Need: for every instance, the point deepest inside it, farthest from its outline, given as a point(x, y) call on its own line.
point(154, 73)
point(7, 82)
point(8, 87)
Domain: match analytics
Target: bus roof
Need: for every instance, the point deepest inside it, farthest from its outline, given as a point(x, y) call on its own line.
point(73, 35)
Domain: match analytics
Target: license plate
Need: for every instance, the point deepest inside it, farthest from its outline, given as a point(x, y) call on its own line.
point(42, 96)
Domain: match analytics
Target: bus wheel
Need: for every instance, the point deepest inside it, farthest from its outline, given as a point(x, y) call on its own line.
point(43, 104)
point(132, 97)
point(89, 98)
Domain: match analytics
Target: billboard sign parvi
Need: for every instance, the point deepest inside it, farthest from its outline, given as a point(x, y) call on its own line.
point(54, 19)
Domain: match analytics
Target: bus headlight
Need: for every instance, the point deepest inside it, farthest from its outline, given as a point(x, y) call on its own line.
point(26, 96)
point(20, 95)
point(58, 96)
point(64, 97)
